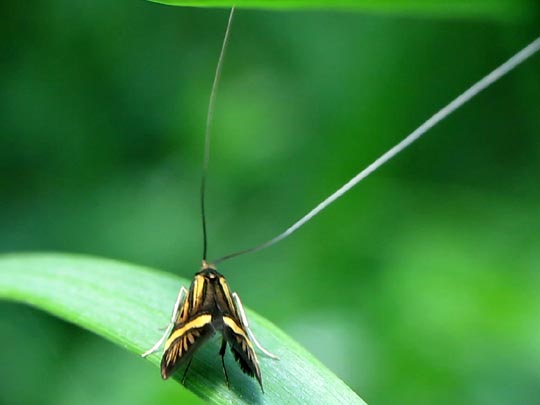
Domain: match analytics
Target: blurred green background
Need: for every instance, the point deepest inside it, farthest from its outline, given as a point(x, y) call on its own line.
point(420, 286)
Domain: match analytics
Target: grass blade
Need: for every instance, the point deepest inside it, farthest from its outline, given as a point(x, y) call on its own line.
point(490, 9)
point(130, 305)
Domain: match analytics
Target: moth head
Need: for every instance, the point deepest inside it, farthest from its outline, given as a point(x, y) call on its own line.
point(207, 266)
point(209, 270)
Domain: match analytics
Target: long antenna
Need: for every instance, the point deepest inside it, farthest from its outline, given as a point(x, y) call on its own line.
point(208, 130)
point(444, 112)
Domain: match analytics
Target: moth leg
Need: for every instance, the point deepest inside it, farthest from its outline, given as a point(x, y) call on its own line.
point(186, 370)
point(179, 299)
point(243, 317)
point(222, 354)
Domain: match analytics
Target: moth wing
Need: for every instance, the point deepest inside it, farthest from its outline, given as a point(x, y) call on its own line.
point(242, 348)
point(183, 342)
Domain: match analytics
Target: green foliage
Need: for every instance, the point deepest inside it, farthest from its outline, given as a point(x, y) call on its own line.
point(129, 305)
point(499, 9)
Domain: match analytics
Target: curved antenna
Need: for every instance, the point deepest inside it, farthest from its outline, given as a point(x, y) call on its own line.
point(444, 112)
point(208, 130)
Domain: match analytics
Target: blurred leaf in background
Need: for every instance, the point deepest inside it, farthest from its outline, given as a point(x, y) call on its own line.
point(418, 287)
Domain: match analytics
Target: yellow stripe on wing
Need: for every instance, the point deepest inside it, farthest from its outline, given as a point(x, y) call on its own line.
point(227, 293)
point(197, 298)
point(196, 323)
point(231, 323)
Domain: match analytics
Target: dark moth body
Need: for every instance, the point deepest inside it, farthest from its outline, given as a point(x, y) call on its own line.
point(209, 307)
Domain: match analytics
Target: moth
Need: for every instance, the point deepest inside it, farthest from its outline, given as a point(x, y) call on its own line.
point(209, 306)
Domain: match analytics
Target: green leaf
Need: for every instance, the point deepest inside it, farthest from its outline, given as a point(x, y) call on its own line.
point(131, 305)
point(492, 9)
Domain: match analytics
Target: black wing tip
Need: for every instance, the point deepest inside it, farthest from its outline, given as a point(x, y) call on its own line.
point(166, 369)
point(252, 371)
